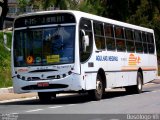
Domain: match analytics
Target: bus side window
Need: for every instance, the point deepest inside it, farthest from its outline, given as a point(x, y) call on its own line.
point(150, 41)
point(109, 35)
point(145, 44)
point(99, 35)
point(86, 26)
point(129, 40)
point(138, 41)
point(120, 41)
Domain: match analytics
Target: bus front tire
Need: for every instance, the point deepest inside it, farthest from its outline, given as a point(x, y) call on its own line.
point(45, 97)
point(137, 89)
point(98, 92)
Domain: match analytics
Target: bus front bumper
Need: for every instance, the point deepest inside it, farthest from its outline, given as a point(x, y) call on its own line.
point(70, 83)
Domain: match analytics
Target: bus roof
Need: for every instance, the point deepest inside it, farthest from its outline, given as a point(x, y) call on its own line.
point(80, 14)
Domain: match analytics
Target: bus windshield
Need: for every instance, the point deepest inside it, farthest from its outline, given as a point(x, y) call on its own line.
point(44, 46)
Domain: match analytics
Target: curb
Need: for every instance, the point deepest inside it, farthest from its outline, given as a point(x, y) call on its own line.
point(6, 90)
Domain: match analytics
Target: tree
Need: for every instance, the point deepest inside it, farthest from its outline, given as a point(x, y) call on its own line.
point(4, 8)
point(141, 15)
point(22, 5)
point(96, 8)
point(116, 9)
point(45, 4)
point(148, 15)
point(73, 4)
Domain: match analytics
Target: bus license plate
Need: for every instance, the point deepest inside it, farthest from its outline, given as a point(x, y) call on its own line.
point(43, 84)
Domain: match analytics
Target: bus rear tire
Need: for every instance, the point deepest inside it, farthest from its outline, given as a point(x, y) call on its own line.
point(98, 92)
point(137, 89)
point(46, 97)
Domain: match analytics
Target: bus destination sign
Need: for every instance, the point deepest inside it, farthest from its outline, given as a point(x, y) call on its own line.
point(35, 20)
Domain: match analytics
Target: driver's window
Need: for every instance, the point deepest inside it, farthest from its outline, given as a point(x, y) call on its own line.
point(86, 26)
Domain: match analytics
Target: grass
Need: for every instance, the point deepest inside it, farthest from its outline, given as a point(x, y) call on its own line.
point(5, 61)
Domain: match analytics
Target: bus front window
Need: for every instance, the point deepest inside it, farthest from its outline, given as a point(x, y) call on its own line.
point(44, 46)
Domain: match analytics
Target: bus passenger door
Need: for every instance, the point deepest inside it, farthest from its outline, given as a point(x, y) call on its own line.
point(85, 47)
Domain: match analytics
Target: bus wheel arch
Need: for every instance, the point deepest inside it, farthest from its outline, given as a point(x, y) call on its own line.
point(136, 89)
point(97, 93)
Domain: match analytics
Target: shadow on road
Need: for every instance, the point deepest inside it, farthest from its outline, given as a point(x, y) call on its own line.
point(70, 99)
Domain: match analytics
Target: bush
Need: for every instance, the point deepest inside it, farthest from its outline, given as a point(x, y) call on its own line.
point(5, 62)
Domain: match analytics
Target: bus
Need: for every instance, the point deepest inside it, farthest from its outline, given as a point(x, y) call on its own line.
point(71, 51)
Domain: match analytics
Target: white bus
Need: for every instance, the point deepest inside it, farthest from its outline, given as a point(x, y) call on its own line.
point(72, 51)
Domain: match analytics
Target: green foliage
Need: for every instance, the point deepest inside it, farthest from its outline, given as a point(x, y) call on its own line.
point(117, 10)
point(141, 16)
point(58, 4)
point(5, 62)
point(148, 15)
point(92, 6)
point(22, 5)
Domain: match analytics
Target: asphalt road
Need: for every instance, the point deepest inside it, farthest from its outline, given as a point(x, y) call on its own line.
point(79, 106)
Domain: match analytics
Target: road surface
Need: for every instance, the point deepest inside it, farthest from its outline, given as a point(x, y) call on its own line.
point(114, 102)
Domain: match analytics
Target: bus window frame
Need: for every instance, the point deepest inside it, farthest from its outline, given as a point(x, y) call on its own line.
point(120, 39)
point(144, 42)
point(139, 42)
point(151, 43)
point(109, 37)
point(100, 36)
point(129, 40)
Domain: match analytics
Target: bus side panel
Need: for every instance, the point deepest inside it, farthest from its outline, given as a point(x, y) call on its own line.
point(77, 82)
point(121, 79)
point(152, 60)
point(111, 78)
point(132, 77)
point(90, 80)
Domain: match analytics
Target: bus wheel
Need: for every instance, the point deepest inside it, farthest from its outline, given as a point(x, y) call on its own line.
point(45, 97)
point(98, 92)
point(136, 88)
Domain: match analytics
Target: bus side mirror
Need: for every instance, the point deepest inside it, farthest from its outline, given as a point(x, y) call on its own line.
point(5, 41)
point(85, 42)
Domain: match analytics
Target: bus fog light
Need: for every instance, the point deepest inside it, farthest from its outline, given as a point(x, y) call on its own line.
point(64, 75)
point(69, 72)
point(58, 77)
point(23, 78)
point(29, 79)
point(18, 76)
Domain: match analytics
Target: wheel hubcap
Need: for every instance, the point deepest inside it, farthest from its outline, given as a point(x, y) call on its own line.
point(139, 83)
point(99, 87)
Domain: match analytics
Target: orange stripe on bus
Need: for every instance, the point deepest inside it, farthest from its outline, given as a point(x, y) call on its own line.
point(136, 68)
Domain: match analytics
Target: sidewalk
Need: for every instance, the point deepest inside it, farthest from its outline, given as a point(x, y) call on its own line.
point(8, 94)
